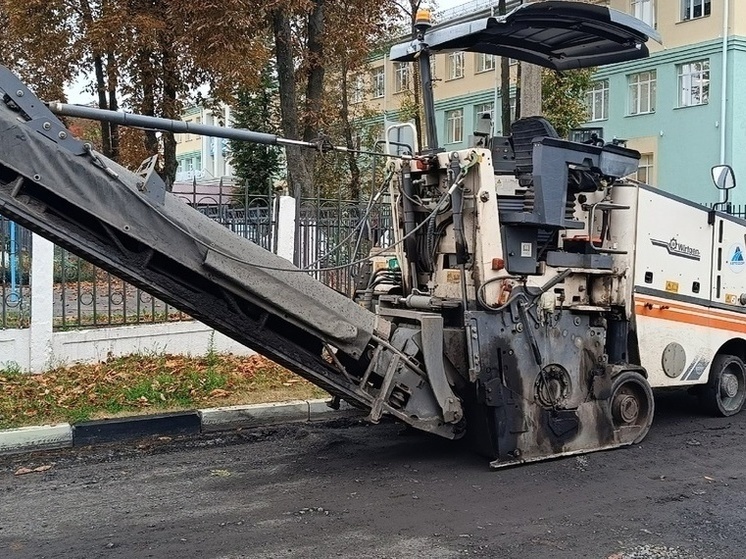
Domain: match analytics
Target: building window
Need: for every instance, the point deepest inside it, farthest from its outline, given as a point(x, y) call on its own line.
point(694, 83)
point(401, 77)
point(597, 101)
point(454, 126)
point(378, 82)
point(483, 123)
point(358, 86)
point(485, 62)
point(645, 169)
point(644, 10)
point(692, 9)
point(455, 65)
point(642, 93)
point(484, 108)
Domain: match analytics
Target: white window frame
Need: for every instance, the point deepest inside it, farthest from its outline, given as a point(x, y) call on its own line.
point(597, 97)
point(689, 9)
point(456, 65)
point(357, 92)
point(645, 168)
point(694, 83)
point(401, 77)
point(643, 10)
point(485, 62)
point(641, 89)
point(378, 82)
point(482, 108)
point(454, 126)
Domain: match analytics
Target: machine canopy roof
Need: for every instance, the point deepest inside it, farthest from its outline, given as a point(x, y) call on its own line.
point(555, 34)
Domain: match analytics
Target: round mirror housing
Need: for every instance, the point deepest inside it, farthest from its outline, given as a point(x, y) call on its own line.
point(723, 177)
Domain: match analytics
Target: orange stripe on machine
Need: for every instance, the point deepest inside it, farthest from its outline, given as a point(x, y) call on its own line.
point(690, 314)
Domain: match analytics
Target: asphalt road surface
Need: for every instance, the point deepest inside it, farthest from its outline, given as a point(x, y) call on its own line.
point(346, 489)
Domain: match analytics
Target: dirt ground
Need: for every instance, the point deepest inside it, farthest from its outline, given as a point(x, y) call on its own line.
point(345, 489)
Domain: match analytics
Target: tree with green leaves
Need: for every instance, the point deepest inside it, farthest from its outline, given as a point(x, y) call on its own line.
point(256, 166)
point(563, 98)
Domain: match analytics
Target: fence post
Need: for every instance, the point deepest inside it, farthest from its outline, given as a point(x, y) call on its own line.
point(42, 304)
point(285, 221)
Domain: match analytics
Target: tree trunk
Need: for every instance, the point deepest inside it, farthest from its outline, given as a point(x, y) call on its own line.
point(111, 73)
point(147, 81)
point(315, 81)
point(98, 65)
point(344, 114)
point(417, 99)
point(316, 70)
point(299, 179)
point(170, 110)
point(530, 90)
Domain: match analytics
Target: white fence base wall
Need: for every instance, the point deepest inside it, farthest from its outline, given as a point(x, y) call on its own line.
point(90, 346)
point(14, 348)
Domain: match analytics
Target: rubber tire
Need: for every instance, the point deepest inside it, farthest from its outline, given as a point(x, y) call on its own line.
point(643, 387)
point(710, 397)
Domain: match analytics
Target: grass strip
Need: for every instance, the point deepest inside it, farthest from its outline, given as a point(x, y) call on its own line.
point(144, 383)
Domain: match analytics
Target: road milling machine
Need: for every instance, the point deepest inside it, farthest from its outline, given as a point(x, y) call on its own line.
point(530, 297)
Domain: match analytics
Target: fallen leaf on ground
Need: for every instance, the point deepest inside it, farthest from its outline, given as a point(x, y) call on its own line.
point(24, 471)
point(220, 473)
point(43, 468)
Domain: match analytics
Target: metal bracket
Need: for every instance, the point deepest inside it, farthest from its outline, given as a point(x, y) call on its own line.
point(431, 333)
point(472, 345)
point(432, 350)
point(376, 408)
point(40, 118)
point(151, 184)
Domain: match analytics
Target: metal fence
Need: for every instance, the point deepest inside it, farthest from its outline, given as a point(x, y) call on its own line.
point(86, 296)
point(329, 235)
point(15, 268)
point(334, 233)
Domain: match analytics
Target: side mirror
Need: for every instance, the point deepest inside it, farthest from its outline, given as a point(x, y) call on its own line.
point(723, 177)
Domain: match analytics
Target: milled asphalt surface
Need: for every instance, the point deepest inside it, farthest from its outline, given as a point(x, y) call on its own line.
point(346, 489)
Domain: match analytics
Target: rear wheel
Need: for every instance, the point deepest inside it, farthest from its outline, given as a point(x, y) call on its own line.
point(725, 391)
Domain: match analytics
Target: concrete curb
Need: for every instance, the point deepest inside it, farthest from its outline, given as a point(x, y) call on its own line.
point(138, 427)
point(42, 437)
point(64, 435)
point(252, 415)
